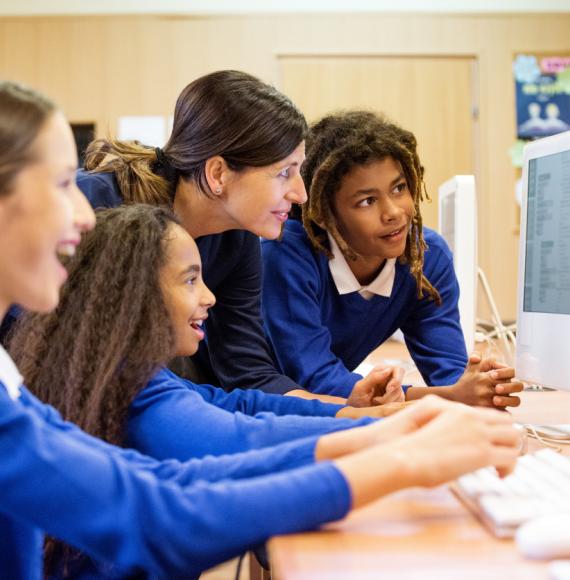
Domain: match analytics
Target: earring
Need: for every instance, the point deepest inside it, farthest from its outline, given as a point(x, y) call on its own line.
point(218, 190)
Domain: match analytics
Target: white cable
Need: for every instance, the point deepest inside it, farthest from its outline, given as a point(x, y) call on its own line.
point(503, 333)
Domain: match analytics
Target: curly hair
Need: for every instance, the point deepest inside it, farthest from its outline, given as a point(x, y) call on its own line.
point(111, 331)
point(228, 113)
point(347, 139)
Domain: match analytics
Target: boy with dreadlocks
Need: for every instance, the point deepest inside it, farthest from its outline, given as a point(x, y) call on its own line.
point(361, 266)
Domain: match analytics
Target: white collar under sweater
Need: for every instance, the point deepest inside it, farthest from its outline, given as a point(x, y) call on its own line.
point(346, 282)
point(9, 374)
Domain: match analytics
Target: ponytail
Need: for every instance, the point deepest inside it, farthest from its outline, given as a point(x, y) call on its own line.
point(142, 178)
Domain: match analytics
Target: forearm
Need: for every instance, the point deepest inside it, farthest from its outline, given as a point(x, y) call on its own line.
point(371, 475)
point(347, 412)
point(302, 394)
point(414, 393)
point(334, 445)
point(376, 412)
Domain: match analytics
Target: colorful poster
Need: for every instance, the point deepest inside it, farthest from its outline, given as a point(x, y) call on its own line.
point(542, 95)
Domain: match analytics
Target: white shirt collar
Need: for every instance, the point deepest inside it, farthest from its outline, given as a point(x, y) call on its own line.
point(346, 281)
point(9, 374)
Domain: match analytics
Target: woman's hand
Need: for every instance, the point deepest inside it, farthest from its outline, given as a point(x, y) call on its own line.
point(382, 385)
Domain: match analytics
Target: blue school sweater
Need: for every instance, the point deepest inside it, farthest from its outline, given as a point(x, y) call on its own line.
point(175, 418)
point(318, 335)
point(169, 519)
point(235, 351)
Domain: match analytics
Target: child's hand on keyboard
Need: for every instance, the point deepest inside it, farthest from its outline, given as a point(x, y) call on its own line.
point(415, 415)
point(487, 383)
point(429, 443)
point(456, 439)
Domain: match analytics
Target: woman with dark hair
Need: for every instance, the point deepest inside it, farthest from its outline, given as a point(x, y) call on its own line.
point(231, 173)
point(361, 266)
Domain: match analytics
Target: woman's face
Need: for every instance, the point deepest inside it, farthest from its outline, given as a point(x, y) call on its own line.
point(186, 296)
point(259, 199)
point(41, 217)
point(374, 208)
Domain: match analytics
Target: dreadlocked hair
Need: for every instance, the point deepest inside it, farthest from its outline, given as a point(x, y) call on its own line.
point(335, 146)
point(111, 331)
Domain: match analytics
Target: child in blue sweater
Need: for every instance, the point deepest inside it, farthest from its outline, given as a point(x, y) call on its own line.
point(361, 266)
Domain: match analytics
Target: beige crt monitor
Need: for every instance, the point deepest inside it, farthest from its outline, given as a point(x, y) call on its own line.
point(543, 315)
point(458, 226)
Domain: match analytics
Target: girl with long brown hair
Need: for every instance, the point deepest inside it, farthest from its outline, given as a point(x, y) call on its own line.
point(360, 265)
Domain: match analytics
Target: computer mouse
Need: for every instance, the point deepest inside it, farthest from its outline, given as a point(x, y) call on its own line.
point(545, 538)
point(559, 570)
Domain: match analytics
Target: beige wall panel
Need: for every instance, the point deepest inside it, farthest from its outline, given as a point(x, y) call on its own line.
point(430, 96)
point(99, 68)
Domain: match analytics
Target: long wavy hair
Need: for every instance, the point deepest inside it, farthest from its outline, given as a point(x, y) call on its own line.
point(111, 330)
point(337, 144)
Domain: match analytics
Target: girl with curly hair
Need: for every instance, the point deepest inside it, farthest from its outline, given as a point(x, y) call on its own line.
point(360, 265)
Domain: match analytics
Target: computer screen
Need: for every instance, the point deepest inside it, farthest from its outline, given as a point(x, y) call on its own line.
point(458, 226)
point(543, 316)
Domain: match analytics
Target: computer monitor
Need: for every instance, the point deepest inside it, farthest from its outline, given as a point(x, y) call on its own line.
point(458, 226)
point(543, 315)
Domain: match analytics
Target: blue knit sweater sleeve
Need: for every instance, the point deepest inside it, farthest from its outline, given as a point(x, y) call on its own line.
point(111, 505)
point(293, 319)
point(255, 401)
point(170, 419)
point(239, 465)
point(433, 333)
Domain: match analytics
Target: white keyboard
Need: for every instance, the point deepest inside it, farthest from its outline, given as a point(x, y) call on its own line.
point(540, 485)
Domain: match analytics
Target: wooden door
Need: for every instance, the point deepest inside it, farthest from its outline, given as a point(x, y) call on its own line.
point(430, 96)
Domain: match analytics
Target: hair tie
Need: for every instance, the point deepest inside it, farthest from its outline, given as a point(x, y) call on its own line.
point(161, 157)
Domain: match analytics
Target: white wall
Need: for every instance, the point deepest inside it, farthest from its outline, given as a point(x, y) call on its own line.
point(192, 7)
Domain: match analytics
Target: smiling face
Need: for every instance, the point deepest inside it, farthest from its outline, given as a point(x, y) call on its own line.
point(186, 296)
point(259, 199)
point(42, 215)
point(373, 209)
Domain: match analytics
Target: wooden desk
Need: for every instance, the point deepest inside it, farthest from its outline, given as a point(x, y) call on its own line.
point(415, 534)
